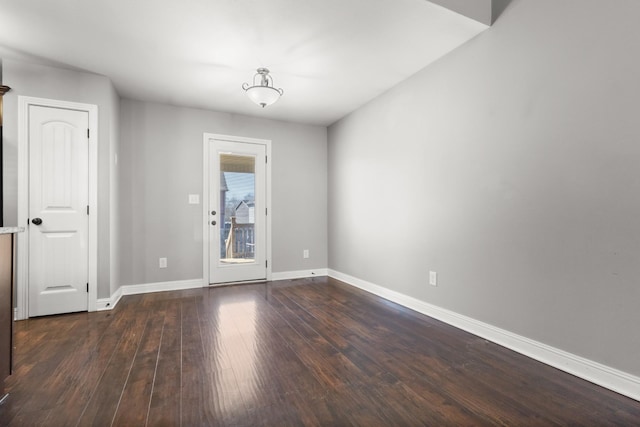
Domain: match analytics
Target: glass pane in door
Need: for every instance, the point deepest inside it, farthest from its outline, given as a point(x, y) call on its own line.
point(237, 209)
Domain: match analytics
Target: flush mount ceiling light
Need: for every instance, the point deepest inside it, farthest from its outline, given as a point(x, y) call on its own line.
point(263, 93)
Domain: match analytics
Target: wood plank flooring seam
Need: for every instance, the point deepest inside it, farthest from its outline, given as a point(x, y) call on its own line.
point(133, 359)
point(98, 382)
point(146, 421)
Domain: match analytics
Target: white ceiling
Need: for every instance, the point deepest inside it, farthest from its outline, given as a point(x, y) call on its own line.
point(329, 56)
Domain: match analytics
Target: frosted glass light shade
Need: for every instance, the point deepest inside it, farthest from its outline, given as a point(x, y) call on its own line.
point(262, 91)
point(263, 95)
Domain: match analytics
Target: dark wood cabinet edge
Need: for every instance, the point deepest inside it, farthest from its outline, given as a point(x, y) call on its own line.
point(11, 271)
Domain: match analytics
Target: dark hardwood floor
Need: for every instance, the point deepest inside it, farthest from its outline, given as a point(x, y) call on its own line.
point(302, 352)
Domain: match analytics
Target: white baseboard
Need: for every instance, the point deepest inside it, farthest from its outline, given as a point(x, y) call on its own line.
point(103, 304)
point(161, 287)
point(110, 303)
point(605, 376)
point(300, 274)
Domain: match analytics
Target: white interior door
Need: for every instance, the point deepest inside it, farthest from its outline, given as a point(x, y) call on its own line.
point(237, 212)
point(58, 273)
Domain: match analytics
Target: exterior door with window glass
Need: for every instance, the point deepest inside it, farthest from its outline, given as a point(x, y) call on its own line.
point(237, 212)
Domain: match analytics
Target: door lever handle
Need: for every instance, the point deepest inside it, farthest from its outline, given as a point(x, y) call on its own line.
point(36, 221)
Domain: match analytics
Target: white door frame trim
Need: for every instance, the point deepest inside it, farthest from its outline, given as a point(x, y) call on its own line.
point(205, 197)
point(22, 283)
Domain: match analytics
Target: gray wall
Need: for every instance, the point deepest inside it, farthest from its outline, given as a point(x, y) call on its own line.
point(54, 83)
point(160, 164)
point(510, 167)
point(143, 211)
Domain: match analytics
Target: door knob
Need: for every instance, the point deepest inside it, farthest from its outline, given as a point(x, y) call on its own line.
point(213, 223)
point(36, 221)
point(213, 212)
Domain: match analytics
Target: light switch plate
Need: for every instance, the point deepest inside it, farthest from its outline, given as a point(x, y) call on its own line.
point(433, 278)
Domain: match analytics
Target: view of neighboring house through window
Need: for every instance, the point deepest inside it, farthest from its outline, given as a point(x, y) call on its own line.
point(237, 208)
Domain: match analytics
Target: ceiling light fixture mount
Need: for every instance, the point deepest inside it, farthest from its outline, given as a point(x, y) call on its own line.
point(262, 93)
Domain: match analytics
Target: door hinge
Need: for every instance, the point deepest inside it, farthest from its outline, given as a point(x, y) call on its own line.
point(87, 287)
point(266, 211)
point(87, 209)
point(88, 134)
point(265, 159)
point(266, 264)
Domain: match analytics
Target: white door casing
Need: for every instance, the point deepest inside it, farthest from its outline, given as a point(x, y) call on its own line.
point(216, 268)
point(57, 156)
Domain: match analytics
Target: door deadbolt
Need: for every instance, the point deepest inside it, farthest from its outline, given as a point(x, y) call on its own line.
point(213, 223)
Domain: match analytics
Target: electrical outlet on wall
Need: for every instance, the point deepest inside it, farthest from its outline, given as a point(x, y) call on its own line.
point(433, 278)
point(162, 262)
point(305, 253)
